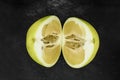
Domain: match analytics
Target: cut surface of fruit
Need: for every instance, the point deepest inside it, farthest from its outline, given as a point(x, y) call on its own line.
point(43, 41)
point(80, 42)
point(78, 39)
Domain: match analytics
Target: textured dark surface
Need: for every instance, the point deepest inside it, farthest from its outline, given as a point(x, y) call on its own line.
point(16, 16)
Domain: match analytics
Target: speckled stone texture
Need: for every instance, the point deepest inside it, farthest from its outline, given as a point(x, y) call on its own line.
point(16, 16)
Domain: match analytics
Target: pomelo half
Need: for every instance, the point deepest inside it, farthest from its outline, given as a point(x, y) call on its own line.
point(43, 40)
point(80, 42)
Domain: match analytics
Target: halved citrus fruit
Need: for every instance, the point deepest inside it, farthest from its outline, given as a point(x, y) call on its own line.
point(80, 42)
point(43, 40)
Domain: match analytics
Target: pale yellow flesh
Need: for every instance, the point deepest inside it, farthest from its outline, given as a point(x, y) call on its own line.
point(50, 54)
point(72, 28)
point(73, 56)
point(51, 27)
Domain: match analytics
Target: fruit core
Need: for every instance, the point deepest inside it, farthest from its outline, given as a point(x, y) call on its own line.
point(74, 42)
point(49, 40)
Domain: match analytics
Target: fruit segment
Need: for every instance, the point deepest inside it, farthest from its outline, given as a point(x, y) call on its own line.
point(44, 41)
point(78, 47)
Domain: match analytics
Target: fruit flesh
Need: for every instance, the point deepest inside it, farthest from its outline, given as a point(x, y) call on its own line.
point(74, 41)
point(50, 33)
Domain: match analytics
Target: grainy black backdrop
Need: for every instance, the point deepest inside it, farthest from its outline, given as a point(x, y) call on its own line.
point(16, 16)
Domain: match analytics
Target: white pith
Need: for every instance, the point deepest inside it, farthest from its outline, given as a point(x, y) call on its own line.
point(38, 43)
point(88, 46)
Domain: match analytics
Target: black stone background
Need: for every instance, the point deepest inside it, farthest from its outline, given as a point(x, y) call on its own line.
point(16, 16)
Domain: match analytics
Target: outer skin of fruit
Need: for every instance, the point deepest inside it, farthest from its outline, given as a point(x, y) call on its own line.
point(96, 40)
point(30, 36)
